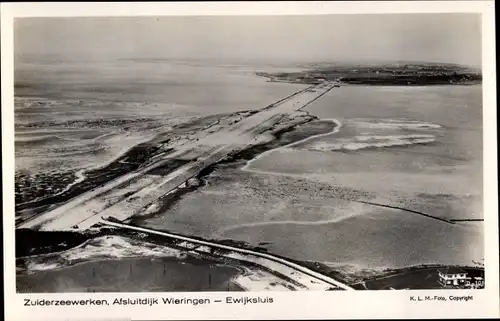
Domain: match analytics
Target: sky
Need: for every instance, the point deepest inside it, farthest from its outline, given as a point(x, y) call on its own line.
point(451, 38)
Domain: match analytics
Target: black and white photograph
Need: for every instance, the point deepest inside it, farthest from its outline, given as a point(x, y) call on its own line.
point(249, 160)
point(249, 153)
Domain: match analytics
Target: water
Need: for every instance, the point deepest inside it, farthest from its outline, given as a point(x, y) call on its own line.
point(422, 142)
point(132, 275)
point(375, 239)
point(206, 89)
point(74, 116)
point(413, 147)
point(418, 148)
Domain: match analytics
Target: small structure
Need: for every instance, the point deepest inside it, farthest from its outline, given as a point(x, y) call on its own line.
point(452, 276)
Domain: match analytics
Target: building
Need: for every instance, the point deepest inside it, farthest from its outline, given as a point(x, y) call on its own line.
point(456, 277)
point(452, 276)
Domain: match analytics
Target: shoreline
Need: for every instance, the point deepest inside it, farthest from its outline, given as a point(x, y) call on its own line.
point(335, 129)
point(390, 74)
point(255, 278)
point(115, 167)
point(382, 84)
point(376, 83)
point(168, 200)
point(174, 262)
point(252, 277)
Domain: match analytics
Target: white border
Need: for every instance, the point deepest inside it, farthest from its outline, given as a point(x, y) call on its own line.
point(80, 9)
point(364, 304)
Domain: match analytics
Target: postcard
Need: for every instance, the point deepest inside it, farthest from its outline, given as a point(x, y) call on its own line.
point(251, 160)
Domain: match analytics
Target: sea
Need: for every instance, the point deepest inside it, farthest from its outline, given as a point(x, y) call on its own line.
point(409, 150)
point(406, 148)
point(73, 116)
point(382, 191)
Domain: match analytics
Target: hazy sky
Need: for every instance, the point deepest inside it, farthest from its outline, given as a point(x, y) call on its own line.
point(454, 38)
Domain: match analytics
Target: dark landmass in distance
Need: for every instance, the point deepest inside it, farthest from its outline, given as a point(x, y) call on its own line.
point(416, 74)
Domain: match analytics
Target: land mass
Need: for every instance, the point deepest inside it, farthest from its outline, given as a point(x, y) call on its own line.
point(404, 74)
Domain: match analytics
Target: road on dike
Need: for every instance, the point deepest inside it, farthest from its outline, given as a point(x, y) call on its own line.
point(306, 278)
point(87, 209)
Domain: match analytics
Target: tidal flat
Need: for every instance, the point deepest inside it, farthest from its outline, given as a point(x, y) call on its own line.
point(415, 147)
